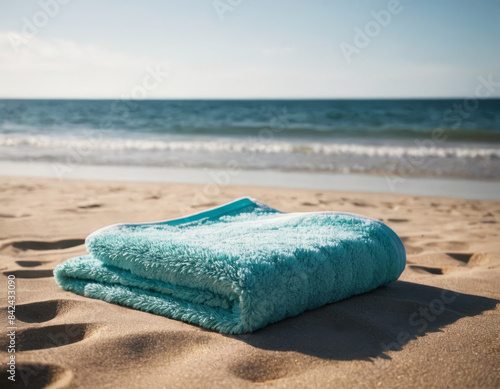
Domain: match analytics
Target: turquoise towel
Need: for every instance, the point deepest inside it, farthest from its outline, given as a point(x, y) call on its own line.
point(238, 267)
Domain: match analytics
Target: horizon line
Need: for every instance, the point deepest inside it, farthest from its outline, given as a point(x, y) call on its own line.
point(253, 98)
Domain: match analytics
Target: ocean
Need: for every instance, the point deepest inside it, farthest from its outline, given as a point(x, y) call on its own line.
point(421, 138)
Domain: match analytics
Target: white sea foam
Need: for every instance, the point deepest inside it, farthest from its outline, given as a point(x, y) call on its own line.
point(96, 143)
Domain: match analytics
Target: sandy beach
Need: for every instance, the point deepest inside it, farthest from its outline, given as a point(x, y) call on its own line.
point(437, 326)
point(164, 110)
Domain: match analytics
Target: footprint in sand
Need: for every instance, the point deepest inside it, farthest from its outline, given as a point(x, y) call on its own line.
point(309, 204)
point(361, 204)
point(427, 270)
point(89, 206)
point(156, 347)
point(263, 368)
point(30, 273)
point(42, 311)
point(460, 257)
point(50, 336)
point(12, 216)
point(471, 259)
point(7, 215)
point(30, 263)
point(397, 220)
point(43, 245)
point(37, 376)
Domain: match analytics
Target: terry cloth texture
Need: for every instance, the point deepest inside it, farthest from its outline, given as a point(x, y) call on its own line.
point(238, 267)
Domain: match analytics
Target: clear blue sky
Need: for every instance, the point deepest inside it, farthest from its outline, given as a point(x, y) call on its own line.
point(261, 48)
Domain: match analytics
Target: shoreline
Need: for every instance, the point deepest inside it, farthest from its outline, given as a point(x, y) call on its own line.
point(364, 183)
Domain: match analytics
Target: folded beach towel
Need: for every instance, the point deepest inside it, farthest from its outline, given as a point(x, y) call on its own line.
point(238, 267)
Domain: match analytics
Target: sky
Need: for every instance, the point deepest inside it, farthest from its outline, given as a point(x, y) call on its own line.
point(248, 48)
